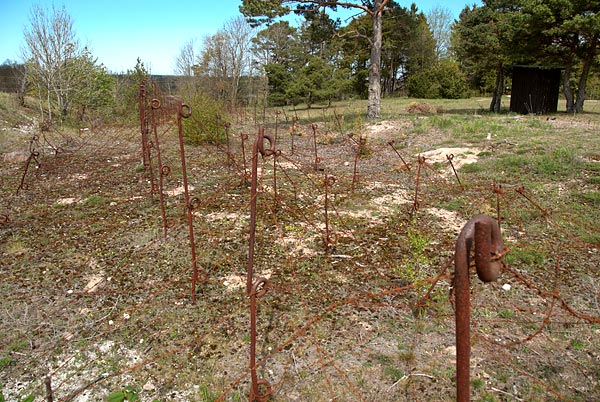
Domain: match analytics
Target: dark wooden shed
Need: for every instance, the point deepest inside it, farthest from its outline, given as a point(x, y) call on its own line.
point(534, 90)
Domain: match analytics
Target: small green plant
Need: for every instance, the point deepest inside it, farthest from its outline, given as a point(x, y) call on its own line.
point(477, 383)
point(577, 344)
point(5, 362)
point(528, 255)
point(128, 393)
point(394, 373)
point(94, 201)
point(488, 397)
point(504, 313)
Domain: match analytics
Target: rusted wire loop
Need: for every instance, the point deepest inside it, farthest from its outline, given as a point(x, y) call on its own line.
point(259, 287)
point(261, 145)
point(35, 138)
point(392, 142)
point(263, 391)
point(35, 154)
point(194, 203)
point(166, 170)
point(4, 219)
point(155, 103)
point(421, 160)
point(202, 276)
point(332, 238)
point(243, 136)
point(155, 187)
point(314, 126)
point(330, 180)
point(150, 144)
point(185, 110)
point(450, 157)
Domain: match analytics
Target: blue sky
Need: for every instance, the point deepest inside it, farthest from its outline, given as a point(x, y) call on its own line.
point(119, 31)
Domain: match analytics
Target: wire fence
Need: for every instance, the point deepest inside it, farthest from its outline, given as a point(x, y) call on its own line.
point(293, 262)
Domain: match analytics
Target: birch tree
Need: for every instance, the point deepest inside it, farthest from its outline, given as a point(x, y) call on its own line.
point(51, 48)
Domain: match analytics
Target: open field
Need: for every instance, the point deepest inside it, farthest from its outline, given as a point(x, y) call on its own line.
point(359, 305)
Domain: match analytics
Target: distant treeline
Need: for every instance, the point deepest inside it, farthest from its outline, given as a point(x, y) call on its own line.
point(12, 74)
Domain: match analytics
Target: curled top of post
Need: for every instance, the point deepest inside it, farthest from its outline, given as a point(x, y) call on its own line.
point(185, 110)
point(261, 145)
point(330, 180)
point(488, 270)
point(259, 287)
point(155, 103)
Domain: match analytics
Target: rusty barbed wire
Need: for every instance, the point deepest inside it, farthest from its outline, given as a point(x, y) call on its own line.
point(450, 157)
point(406, 165)
point(303, 190)
point(522, 191)
point(33, 156)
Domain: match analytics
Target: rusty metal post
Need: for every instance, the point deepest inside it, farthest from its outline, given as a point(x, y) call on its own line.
point(499, 192)
point(143, 122)
point(229, 156)
point(184, 112)
point(359, 146)
point(259, 148)
point(421, 162)
point(329, 181)
point(450, 157)
point(406, 165)
point(33, 155)
point(261, 389)
point(49, 393)
point(277, 113)
point(317, 160)
point(292, 131)
point(521, 190)
point(163, 171)
point(484, 233)
point(244, 137)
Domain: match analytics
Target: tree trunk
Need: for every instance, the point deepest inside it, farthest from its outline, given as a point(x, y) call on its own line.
point(498, 89)
point(585, 71)
point(374, 102)
point(568, 91)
